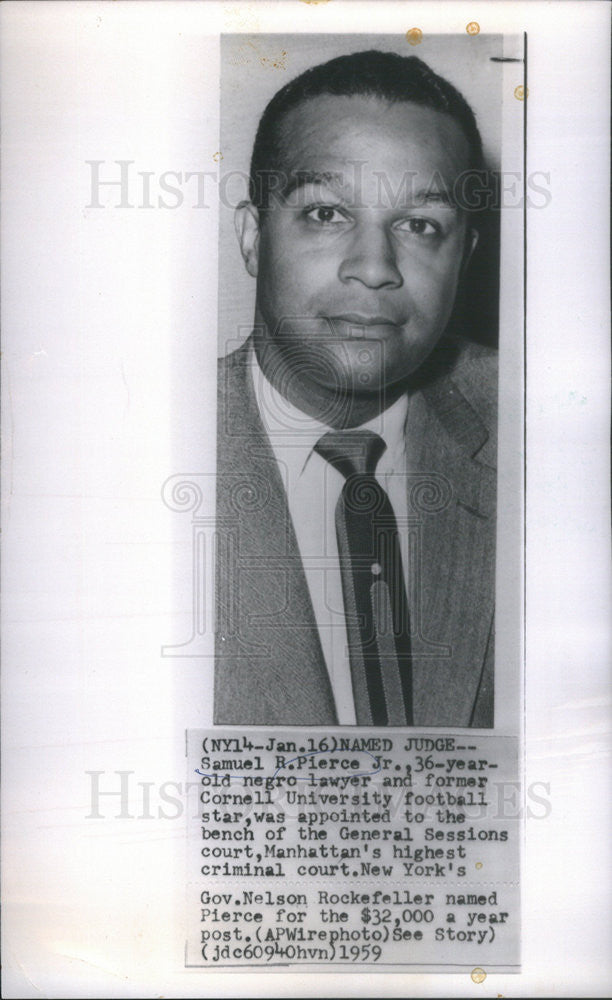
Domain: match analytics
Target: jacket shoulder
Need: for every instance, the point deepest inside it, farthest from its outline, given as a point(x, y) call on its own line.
point(459, 384)
point(236, 407)
point(233, 365)
point(475, 373)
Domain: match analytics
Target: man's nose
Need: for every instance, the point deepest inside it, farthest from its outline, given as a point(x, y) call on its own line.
point(370, 259)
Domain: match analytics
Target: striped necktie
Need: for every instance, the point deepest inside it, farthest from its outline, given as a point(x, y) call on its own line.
point(373, 587)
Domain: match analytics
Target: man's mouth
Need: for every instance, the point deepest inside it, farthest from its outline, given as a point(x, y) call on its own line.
point(362, 319)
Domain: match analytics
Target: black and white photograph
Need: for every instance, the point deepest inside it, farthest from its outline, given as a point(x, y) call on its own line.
point(305, 317)
point(357, 421)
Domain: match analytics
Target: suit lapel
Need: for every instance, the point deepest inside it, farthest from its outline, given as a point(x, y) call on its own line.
point(452, 556)
point(270, 666)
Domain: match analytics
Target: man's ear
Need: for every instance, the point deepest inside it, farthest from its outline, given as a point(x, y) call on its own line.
point(246, 221)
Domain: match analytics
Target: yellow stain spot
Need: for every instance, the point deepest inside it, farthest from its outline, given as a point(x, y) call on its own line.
point(269, 60)
point(241, 18)
point(521, 93)
point(414, 36)
point(478, 975)
point(217, 157)
point(472, 28)
point(315, 1)
point(479, 865)
point(278, 63)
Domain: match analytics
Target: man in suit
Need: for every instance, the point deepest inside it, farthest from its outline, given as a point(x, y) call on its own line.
point(358, 231)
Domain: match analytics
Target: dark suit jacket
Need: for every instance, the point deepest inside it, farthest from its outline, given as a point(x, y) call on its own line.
point(269, 666)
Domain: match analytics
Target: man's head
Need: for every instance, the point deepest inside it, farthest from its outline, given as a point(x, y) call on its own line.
point(354, 229)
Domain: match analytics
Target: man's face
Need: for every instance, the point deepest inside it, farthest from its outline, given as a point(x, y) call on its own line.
point(358, 262)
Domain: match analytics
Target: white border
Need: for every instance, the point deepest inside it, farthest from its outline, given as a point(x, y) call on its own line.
point(92, 912)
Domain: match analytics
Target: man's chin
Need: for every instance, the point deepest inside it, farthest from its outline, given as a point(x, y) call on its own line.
point(357, 366)
point(367, 375)
point(362, 384)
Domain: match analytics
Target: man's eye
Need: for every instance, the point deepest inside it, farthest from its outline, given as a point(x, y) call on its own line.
point(325, 214)
point(419, 227)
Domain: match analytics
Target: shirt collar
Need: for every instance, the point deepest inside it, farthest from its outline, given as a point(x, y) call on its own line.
point(293, 433)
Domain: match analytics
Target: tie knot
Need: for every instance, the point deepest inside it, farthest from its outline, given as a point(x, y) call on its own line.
point(351, 452)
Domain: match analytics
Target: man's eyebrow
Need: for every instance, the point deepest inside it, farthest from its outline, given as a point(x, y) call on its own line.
point(335, 180)
point(301, 178)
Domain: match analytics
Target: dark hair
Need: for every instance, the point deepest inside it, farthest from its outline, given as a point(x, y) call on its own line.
point(386, 75)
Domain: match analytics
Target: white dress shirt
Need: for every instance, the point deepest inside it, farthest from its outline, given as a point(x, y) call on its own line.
point(313, 487)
